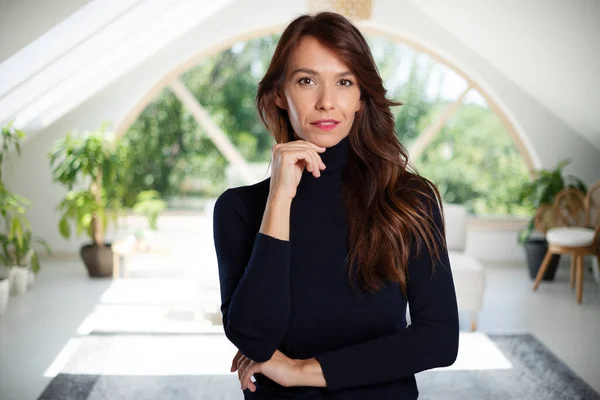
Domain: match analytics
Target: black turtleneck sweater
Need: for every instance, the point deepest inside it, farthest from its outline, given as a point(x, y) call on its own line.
point(295, 296)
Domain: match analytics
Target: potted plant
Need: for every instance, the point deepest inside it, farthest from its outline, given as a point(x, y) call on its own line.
point(12, 207)
point(89, 166)
point(12, 212)
point(25, 255)
point(539, 192)
point(15, 260)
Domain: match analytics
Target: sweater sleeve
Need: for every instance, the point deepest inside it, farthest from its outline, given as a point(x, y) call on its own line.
point(430, 341)
point(254, 273)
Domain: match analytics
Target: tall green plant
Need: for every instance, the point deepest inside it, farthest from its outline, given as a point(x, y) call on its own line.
point(12, 205)
point(94, 161)
point(16, 241)
point(543, 190)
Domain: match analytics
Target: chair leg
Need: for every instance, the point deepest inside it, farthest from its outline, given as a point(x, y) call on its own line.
point(579, 278)
point(542, 269)
point(573, 268)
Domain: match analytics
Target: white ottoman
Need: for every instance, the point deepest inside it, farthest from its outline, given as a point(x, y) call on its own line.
point(469, 282)
point(468, 273)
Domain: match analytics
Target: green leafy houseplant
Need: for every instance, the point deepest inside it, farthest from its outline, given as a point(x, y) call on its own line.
point(92, 162)
point(16, 239)
point(17, 247)
point(543, 189)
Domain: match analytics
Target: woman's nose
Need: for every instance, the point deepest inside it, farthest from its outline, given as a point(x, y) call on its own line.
point(325, 100)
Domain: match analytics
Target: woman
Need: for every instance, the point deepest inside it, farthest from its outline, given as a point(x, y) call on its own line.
point(318, 262)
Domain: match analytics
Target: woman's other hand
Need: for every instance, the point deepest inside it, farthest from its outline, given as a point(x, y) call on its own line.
point(280, 369)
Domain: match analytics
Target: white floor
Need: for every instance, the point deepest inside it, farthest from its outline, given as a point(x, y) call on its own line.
point(42, 328)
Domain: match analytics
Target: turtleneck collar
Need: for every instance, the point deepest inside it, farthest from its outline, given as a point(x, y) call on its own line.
point(335, 157)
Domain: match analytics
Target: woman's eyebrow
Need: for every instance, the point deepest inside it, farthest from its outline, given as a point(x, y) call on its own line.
point(313, 72)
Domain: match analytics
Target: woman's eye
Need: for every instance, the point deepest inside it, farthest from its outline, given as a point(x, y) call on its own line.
point(304, 81)
point(348, 82)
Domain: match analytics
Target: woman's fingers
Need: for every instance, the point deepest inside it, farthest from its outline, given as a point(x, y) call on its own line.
point(242, 365)
point(303, 143)
point(314, 151)
point(245, 368)
point(308, 156)
point(235, 361)
point(245, 379)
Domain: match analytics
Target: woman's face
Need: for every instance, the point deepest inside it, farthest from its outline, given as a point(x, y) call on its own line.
point(319, 86)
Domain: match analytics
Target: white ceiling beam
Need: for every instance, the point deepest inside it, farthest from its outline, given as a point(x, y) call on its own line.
point(425, 138)
point(212, 130)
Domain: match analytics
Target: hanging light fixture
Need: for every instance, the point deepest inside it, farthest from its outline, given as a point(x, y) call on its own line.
point(353, 9)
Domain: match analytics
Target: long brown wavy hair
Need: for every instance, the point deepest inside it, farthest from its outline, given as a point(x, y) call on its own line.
point(382, 192)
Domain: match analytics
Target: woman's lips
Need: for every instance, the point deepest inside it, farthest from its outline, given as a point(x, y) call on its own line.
point(326, 126)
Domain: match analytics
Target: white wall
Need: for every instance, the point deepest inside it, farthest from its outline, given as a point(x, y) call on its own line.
point(548, 138)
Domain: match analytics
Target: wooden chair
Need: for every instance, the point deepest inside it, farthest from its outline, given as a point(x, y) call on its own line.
point(572, 232)
point(592, 205)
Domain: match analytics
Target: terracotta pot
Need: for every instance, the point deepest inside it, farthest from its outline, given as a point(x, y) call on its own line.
point(98, 260)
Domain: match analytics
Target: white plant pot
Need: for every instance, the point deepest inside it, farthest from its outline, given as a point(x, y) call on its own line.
point(18, 277)
point(4, 290)
point(30, 277)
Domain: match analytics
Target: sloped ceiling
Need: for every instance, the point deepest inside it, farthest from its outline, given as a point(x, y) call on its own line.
point(87, 50)
point(549, 48)
point(55, 55)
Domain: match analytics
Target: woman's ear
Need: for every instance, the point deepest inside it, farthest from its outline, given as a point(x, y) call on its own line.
point(280, 100)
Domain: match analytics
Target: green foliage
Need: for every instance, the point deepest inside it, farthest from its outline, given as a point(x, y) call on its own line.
point(475, 163)
point(99, 164)
point(11, 138)
point(542, 190)
point(150, 205)
point(11, 203)
point(17, 249)
point(16, 241)
point(79, 206)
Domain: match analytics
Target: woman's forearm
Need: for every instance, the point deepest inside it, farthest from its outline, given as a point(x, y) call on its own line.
point(276, 218)
point(310, 374)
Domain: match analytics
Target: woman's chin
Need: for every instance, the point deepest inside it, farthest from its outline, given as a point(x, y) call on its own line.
point(325, 139)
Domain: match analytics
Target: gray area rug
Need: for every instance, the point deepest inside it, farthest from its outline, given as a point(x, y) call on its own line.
point(535, 374)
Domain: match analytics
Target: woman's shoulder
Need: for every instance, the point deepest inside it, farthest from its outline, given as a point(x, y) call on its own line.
point(244, 199)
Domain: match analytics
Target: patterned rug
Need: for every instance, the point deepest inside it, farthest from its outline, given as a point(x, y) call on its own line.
point(193, 366)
